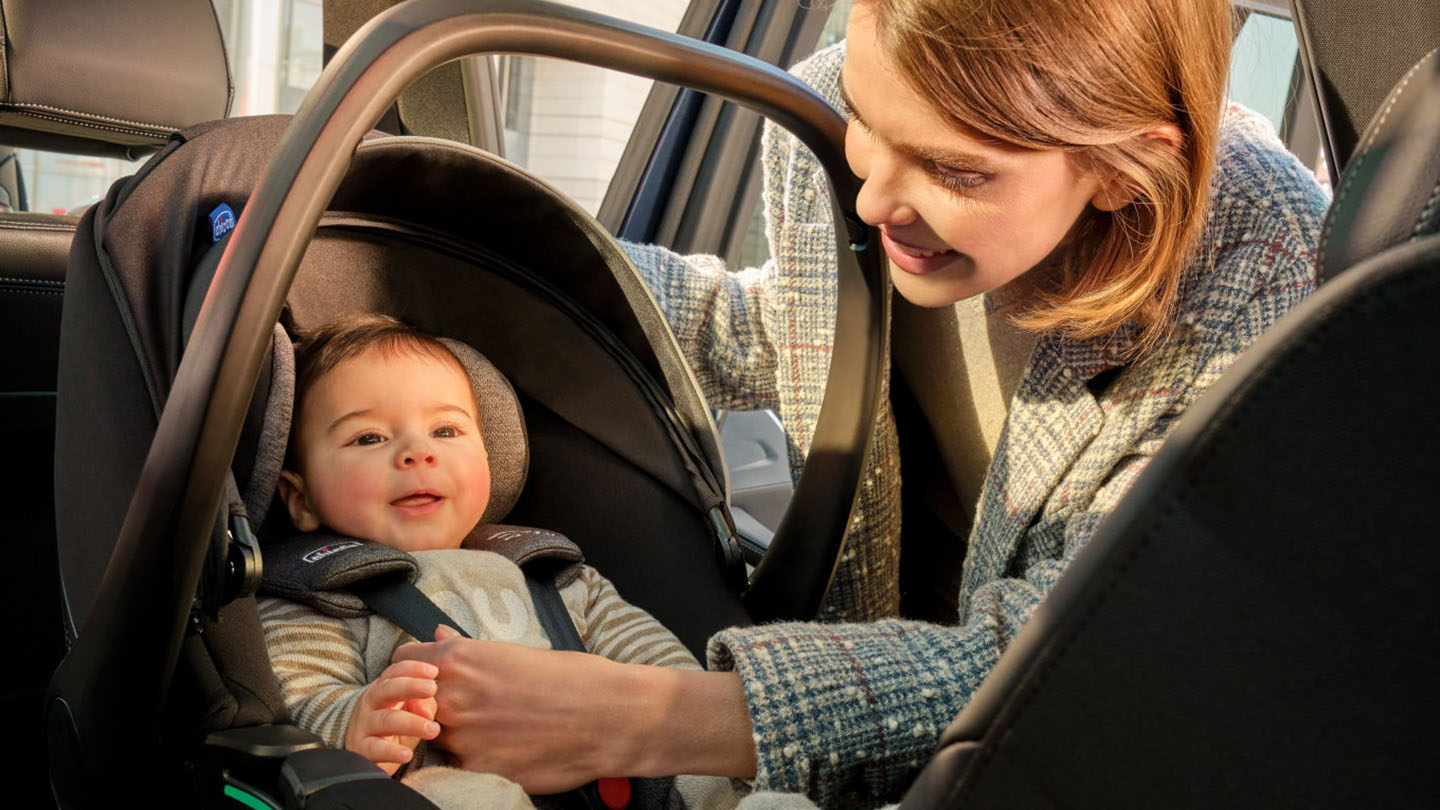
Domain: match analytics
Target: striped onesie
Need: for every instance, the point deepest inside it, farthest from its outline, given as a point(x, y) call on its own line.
point(324, 662)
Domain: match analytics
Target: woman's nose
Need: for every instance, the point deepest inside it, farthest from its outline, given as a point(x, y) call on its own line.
point(883, 198)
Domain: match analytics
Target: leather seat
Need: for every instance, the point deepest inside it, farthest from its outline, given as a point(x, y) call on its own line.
point(1256, 624)
point(32, 283)
point(113, 79)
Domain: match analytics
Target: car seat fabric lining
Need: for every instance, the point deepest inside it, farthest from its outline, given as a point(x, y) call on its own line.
point(270, 449)
point(503, 426)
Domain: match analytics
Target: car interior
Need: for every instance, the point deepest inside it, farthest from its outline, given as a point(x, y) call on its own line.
point(1292, 665)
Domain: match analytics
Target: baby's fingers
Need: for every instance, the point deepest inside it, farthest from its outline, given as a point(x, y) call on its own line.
point(425, 707)
point(393, 691)
point(410, 669)
point(382, 752)
point(398, 723)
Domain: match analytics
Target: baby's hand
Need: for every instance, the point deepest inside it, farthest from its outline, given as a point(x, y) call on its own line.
point(393, 714)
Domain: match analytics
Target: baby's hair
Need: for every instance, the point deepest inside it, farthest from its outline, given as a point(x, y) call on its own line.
point(318, 351)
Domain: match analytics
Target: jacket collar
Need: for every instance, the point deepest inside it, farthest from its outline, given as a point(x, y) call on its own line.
point(1053, 417)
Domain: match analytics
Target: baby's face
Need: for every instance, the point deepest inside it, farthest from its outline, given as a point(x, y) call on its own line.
point(390, 451)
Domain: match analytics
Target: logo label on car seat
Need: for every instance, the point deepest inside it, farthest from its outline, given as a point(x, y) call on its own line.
point(325, 551)
point(222, 221)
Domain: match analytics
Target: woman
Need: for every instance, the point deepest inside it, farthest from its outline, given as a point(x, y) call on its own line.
point(1076, 163)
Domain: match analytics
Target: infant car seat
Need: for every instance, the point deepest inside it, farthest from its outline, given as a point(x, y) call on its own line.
point(166, 369)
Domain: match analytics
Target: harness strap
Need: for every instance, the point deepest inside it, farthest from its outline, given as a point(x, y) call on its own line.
point(550, 610)
point(397, 599)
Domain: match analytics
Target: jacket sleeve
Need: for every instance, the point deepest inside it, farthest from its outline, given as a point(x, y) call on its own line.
point(318, 662)
point(849, 713)
point(726, 321)
point(717, 318)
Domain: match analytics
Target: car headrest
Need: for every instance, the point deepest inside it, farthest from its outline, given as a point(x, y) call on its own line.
point(1390, 191)
point(113, 79)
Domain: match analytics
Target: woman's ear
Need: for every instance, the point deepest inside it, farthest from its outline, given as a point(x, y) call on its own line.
point(1116, 190)
point(292, 492)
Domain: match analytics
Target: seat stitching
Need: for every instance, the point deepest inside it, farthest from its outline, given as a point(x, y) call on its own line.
point(76, 122)
point(54, 109)
point(35, 226)
point(1354, 170)
point(56, 293)
point(1425, 212)
point(16, 280)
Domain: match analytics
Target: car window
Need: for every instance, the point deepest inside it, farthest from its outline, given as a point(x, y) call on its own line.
point(568, 123)
point(1265, 76)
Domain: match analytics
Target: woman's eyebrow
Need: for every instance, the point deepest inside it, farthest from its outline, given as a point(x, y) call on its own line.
point(964, 161)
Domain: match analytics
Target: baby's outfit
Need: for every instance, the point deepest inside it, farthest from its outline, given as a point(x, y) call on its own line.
point(324, 662)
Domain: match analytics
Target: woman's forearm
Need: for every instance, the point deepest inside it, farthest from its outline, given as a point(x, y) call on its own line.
point(686, 721)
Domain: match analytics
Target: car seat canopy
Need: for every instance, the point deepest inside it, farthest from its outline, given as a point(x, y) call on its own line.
point(453, 241)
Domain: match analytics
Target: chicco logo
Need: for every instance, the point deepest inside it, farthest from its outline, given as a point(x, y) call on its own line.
point(325, 551)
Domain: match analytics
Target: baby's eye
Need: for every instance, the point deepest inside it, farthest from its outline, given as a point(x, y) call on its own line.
point(366, 439)
point(446, 432)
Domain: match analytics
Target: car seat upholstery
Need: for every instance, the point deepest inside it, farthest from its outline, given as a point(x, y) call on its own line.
point(32, 273)
point(79, 77)
point(108, 78)
point(1353, 53)
point(1255, 625)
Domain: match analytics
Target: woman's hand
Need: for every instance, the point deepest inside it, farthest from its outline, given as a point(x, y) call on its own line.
point(394, 713)
point(553, 720)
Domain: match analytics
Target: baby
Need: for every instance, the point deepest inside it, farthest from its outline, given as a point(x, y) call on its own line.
point(387, 446)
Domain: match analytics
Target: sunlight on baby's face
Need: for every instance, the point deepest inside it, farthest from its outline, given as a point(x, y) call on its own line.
point(390, 451)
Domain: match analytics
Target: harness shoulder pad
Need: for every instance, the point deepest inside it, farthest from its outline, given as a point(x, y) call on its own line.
point(538, 551)
point(315, 569)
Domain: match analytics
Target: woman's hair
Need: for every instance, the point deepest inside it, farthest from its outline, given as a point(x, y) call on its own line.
point(1090, 77)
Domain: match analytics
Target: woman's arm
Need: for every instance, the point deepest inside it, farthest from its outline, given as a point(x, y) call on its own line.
point(718, 318)
point(557, 720)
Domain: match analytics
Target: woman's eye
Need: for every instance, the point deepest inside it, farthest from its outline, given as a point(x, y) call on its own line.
point(365, 439)
point(954, 178)
point(446, 432)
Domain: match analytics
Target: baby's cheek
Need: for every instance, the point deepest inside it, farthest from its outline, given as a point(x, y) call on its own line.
point(349, 501)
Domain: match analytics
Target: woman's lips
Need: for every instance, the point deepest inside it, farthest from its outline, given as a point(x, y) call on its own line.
point(418, 504)
point(912, 259)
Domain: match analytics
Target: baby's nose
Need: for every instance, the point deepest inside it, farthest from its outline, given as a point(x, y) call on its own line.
point(417, 455)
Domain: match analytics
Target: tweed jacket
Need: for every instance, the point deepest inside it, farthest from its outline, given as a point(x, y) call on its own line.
point(761, 338)
point(848, 713)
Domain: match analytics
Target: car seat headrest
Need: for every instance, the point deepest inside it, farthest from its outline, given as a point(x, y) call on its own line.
point(259, 489)
point(1390, 191)
point(115, 79)
point(503, 426)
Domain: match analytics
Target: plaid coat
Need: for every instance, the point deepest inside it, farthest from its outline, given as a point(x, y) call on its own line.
point(848, 713)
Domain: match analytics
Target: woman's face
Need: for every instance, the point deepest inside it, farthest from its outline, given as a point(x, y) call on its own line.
point(958, 215)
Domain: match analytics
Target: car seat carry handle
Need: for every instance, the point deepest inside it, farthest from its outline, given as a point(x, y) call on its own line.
point(143, 605)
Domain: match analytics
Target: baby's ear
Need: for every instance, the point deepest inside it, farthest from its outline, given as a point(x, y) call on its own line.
point(292, 492)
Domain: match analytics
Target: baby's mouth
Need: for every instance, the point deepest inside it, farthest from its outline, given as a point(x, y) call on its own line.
point(417, 499)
